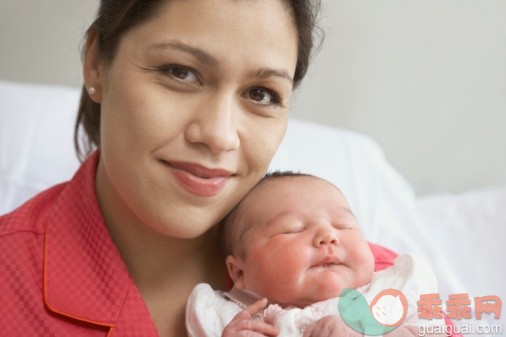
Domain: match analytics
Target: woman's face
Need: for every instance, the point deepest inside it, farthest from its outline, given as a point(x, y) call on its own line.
point(194, 106)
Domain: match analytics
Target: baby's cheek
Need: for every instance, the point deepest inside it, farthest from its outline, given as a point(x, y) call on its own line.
point(283, 262)
point(291, 265)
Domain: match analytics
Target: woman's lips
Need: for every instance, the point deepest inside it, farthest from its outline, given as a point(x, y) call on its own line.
point(197, 179)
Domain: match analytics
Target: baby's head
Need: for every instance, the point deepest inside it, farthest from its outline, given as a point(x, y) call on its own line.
point(294, 240)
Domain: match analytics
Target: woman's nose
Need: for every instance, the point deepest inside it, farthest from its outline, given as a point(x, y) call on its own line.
point(215, 125)
point(324, 237)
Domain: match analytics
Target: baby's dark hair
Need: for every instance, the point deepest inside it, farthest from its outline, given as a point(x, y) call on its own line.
point(235, 224)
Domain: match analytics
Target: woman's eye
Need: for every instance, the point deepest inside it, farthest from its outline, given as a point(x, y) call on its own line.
point(181, 73)
point(264, 96)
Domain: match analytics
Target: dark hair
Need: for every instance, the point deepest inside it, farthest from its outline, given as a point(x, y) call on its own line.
point(116, 17)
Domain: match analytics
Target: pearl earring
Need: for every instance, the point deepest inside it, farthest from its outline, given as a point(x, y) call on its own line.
point(92, 91)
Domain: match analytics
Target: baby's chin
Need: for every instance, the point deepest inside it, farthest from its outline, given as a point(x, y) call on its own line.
point(333, 283)
point(320, 293)
point(329, 291)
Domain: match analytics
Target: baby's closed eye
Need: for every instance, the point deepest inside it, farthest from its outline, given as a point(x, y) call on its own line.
point(290, 227)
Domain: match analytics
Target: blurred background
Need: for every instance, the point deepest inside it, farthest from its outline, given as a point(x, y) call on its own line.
point(425, 78)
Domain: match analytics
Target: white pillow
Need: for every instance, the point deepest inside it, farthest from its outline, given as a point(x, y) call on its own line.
point(470, 228)
point(36, 144)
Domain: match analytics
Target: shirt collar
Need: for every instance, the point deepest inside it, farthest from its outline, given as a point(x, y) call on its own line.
point(243, 298)
point(84, 275)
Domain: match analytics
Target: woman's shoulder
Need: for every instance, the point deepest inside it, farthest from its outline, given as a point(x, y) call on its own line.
point(22, 235)
point(31, 216)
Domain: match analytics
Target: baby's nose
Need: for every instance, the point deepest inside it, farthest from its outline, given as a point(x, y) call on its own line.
point(326, 237)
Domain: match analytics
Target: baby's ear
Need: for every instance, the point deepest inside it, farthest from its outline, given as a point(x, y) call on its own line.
point(235, 271)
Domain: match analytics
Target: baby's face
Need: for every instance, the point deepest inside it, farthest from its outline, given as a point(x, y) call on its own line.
point(305, 245)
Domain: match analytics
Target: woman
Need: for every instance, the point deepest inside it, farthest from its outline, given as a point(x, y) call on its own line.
point(187, 102)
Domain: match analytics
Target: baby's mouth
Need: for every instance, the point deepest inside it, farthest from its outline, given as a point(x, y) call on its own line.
point(328, 261)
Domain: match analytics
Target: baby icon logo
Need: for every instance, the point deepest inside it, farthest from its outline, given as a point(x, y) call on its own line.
point(385, 313)
point(389, 307)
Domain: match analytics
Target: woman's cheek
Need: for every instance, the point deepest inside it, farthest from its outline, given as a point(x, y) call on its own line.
point(261, 139)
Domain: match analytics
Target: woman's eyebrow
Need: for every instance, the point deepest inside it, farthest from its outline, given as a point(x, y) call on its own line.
point(198, 53)
point(268, 72)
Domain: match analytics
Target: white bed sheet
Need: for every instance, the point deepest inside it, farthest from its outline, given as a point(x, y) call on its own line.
point(471, 229)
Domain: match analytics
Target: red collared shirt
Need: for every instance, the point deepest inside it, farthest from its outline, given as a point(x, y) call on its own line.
point(60, 272)
point(62, 275)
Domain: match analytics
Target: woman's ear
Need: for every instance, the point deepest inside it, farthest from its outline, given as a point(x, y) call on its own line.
point(92, 68)
point(235, 271)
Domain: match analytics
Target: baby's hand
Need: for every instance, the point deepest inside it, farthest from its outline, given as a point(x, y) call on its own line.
point(330, 326)
point(242, 325)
